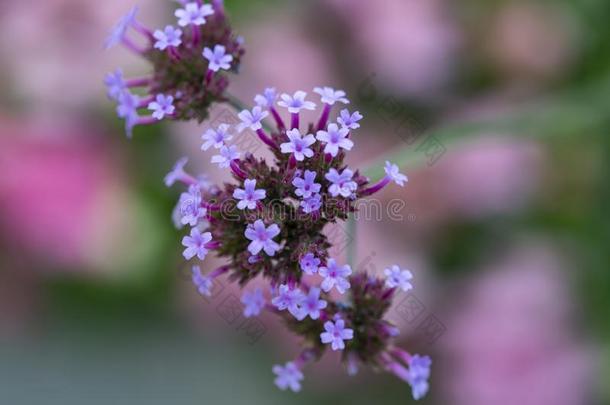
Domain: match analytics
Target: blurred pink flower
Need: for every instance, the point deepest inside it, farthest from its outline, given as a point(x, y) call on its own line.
point(509, 339)
point(51, 181)
point(489, 175)
point(410, 44)
point(532, 41)
point(54, 57)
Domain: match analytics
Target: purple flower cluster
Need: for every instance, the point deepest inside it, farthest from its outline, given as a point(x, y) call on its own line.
point(310, 184)
point(195, 51)
point(269, 223)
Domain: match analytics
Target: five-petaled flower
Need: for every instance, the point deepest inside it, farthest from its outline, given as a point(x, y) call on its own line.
point(162, 106)
point(115, 84)
point(392, 173)
point(288, 376)
point(227, 154)
point(311, 204)
point(193, 14)
point(341, 184)
point(306, 185)
point(419, 372)
point(261, 237)
point(251, 119)
point(196, 244)
point(396, 277)
point(335, 334)
point(335, 276)
point(330, 96)
point(170, 36)
point(298, 145)
point(128, 105)
point(349, 121)
point(254, 302)
point(216, 137)
point(311, 304)
point(290, 299)
point(296, 102)
point(217, 58)
point(267, 99)
point(191, 208)
point(335, 138)
point(203, 283)
point(309, 263)
point(249, 195)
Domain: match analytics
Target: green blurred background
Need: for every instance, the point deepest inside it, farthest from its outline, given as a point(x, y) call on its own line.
point(499, 112)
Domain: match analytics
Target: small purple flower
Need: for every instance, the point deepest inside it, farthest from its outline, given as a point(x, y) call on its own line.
point(309, 263)
point(254, 302)
point(252, 119)
point(128, 105)
point(227, 153)
point(191, 210)
point(419, 373)
point(330, 96)
point(290, 299)
point(335, 276)
point(298, 145)
point(193, 14)
point(288, 376)
point(306, 186)
point(311, 304)
point(262, 237)
point(170, 36)
point(335, 334)
point(218, 58)
point(249, 195)
point(115, 84)
point(392, 173)
point(335, 138)
point(118, 31)
point(296, 102)
point(341, 184)
point(396, 277)
point(216, 137)
point(267, 99)
point(311, 204)
point(203, 283)
point(177, 172)
point(196, 244)
point(349, 121)
point(162, 106)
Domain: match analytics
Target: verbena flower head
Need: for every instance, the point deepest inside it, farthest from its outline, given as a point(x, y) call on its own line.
point(180, 67)
point(269, 223)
